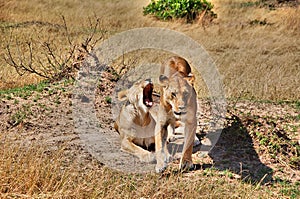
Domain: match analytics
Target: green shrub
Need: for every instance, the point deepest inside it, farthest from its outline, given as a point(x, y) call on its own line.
point(176, 9)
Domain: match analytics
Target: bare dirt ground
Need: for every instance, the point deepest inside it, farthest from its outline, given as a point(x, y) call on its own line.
point(245, 147)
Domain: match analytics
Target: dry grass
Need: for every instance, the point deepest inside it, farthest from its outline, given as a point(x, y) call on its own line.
point(33, 172)
point(256, 61)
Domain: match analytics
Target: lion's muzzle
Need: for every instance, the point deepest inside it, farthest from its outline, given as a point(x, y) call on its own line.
point(179, 113)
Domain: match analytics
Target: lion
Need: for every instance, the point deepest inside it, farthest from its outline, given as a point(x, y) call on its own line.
point(176, 64)
point(178, 102)
point(172, 65)
point(135, 124)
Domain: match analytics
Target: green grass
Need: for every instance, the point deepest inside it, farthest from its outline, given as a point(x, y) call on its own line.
point(297, 105)
point(18, 117)
point(25, 91)
point(288, 189)
point(108, 99)
point(20, 114)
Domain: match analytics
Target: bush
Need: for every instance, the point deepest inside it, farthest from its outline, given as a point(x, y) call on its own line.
point(176, 9)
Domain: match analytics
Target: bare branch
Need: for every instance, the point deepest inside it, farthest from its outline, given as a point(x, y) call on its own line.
point(88, 41)
point(47, 60)
point(67, 31)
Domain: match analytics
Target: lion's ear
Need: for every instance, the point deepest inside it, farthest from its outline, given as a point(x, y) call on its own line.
point(122, 95)
point(163, 80)
point(190, 79)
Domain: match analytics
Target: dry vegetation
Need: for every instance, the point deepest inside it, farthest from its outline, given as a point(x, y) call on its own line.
point(52, 176)
point(256, 50)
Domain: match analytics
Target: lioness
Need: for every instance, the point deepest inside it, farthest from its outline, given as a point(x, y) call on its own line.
point(135, 124)
point(178, 102)
point(180, 66)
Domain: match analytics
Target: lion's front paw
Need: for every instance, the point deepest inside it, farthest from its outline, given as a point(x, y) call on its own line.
point(148, 157)
point(160, 168)
point(186, 166)
point(162, 162)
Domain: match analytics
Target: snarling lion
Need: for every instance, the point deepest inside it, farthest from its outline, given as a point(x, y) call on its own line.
point(135, 124)
point(178, 102)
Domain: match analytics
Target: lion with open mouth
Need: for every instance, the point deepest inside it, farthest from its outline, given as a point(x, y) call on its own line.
point(135, 124)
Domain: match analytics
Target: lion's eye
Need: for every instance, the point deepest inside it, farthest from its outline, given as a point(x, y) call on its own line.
point(173, 94)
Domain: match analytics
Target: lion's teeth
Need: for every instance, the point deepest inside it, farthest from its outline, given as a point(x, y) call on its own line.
point(148, 103)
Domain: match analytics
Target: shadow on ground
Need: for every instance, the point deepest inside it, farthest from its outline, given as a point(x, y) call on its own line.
point(235, 152)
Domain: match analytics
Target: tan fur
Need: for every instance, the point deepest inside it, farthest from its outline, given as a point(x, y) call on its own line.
point(135, 124)
point(179, 65)
point(178, 102)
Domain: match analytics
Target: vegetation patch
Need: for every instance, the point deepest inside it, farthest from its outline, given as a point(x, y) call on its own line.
point(25, 90)
point(276, 135)
point(178, 9)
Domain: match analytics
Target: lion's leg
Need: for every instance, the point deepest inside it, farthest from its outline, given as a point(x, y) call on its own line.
point(162, 153)
point(180, 130)
point(171, 133)
point(128, 146)
point(186, 161)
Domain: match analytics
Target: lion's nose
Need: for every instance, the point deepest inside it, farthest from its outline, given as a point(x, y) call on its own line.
point(181, 108)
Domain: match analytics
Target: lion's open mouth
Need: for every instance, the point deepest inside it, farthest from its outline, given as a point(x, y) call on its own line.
point(147, 95)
